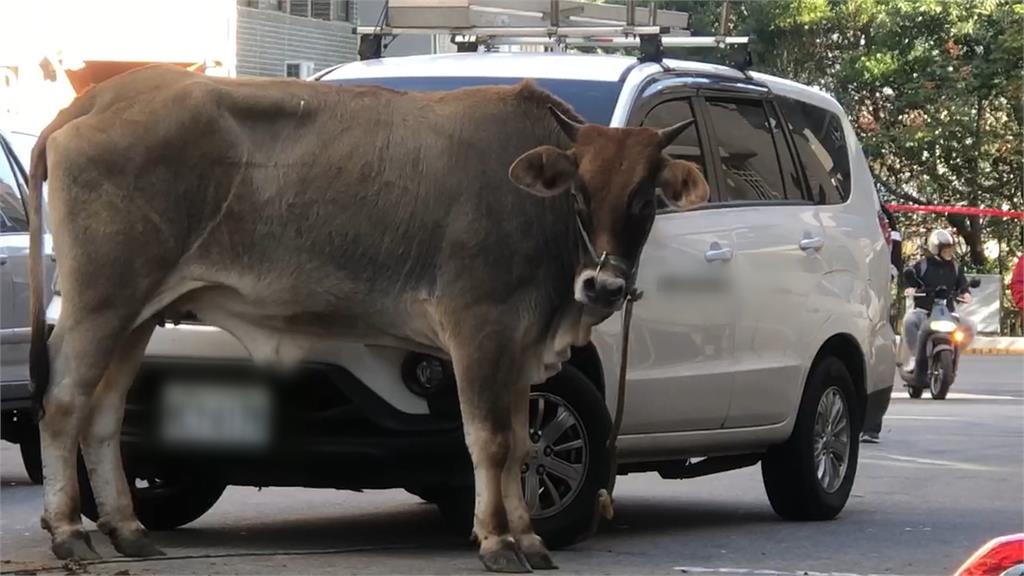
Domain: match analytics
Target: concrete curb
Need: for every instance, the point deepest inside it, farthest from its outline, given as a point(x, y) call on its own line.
point(986, 346)
point(994, 346)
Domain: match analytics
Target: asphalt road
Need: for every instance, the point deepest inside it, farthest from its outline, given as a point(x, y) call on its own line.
point(947, 477)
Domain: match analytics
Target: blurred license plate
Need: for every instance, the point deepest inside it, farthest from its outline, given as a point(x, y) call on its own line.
point(215, 415)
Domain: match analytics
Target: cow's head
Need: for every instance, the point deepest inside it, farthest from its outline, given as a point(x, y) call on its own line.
point(612, 173)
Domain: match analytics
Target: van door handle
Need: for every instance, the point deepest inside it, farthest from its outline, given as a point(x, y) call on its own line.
point(716, 253)
point(813, 243)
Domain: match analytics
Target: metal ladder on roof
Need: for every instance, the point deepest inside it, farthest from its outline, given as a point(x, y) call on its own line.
point(557, 25)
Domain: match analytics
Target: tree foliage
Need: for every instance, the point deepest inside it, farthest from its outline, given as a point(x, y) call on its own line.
point(933, 87)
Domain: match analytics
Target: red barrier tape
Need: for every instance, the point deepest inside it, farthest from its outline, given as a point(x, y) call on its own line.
point(968, 210)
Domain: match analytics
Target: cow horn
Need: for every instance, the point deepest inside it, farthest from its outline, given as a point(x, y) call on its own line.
point(669, 135)
point(571, 129)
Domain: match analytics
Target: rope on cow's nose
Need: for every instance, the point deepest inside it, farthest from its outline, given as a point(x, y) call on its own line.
point(604, 496)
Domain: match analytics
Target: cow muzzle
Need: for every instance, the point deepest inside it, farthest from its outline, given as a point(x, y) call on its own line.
point(606, 285)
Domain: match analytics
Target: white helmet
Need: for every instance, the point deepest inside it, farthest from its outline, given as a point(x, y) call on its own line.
point(938, 240)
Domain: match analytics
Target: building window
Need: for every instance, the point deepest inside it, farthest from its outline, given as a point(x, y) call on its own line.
point(321, 9)
point(275, 5)
point(299, 8)
point(296, 69)
point(341, 10)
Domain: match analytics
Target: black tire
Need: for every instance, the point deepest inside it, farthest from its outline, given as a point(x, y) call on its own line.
point(909, 380)
point(789, 470)
point(172, 501)
point(31, 452)
point(578, 519)
point(429, 493)
point(944, 362)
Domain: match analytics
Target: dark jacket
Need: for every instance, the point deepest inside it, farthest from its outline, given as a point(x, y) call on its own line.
point(929, 273)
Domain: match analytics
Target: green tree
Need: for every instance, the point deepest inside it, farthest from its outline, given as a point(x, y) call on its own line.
point(933, 88)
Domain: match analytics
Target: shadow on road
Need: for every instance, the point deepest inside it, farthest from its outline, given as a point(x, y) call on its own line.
point(414, 525)
point(678, 518)
point(420, 525)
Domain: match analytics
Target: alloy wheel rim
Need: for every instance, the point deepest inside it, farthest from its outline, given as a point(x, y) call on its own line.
point(831, 440)
point(558, 456)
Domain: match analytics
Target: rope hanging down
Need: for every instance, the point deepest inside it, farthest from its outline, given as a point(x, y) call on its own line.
point(604, 496)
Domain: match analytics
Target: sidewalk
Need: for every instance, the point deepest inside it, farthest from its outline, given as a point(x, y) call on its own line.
point(996, 345)
point(993, 345)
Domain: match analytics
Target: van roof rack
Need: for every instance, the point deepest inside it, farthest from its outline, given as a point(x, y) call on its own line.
point(558, 24)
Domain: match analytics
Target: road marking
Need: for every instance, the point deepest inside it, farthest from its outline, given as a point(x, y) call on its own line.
point(890, 417)
point(933, 462)
point(768, 572)
point(962, 396)
point(969, 396)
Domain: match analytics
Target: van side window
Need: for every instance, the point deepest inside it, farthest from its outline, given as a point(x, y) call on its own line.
point(12, 214)
point(790, 169)
point(820, 143)
point(687, 145)
point(750, 165)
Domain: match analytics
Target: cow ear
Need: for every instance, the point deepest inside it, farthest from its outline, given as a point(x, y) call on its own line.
point(682, 184)
point(544, 171)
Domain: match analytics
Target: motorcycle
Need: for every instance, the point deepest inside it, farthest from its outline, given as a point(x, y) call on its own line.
point(944, 340)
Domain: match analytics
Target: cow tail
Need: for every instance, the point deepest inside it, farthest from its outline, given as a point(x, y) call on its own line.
point(39, 353)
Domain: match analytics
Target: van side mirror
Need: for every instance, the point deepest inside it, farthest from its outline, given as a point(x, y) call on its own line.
point(974, 283)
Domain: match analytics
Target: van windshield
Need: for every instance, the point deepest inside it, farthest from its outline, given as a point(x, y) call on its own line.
point(594, 100)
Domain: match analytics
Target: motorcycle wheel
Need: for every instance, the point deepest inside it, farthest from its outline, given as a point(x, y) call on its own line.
point(942, 377)
point(914, 392)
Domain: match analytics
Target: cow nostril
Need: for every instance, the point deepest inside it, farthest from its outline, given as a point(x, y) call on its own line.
point(615, 291)
point(589, 285)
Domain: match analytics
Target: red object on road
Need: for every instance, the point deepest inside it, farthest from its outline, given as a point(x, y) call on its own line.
point(995, 557)
point(968, 210)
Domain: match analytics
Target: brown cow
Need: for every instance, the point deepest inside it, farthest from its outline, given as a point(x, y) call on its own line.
point(287, 212)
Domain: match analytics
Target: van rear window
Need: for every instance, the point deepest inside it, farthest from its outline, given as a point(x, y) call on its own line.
point(818, 136)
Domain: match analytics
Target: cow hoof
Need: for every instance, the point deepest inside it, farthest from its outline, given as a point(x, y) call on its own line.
point(541, 560)
point(75, 545)
point(134, 544)
point(536, 552)
point(505, 558)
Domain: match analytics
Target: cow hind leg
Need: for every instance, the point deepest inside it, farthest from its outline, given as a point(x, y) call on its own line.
point(101, 446)
point(80, 350)
point(529, 542)
point(485, 381)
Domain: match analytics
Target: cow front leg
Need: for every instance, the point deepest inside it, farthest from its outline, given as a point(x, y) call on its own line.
point(101, 447)
point(484, 399)
point(530, 543)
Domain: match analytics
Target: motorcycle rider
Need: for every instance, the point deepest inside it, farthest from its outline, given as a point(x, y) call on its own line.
point(937, 268)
